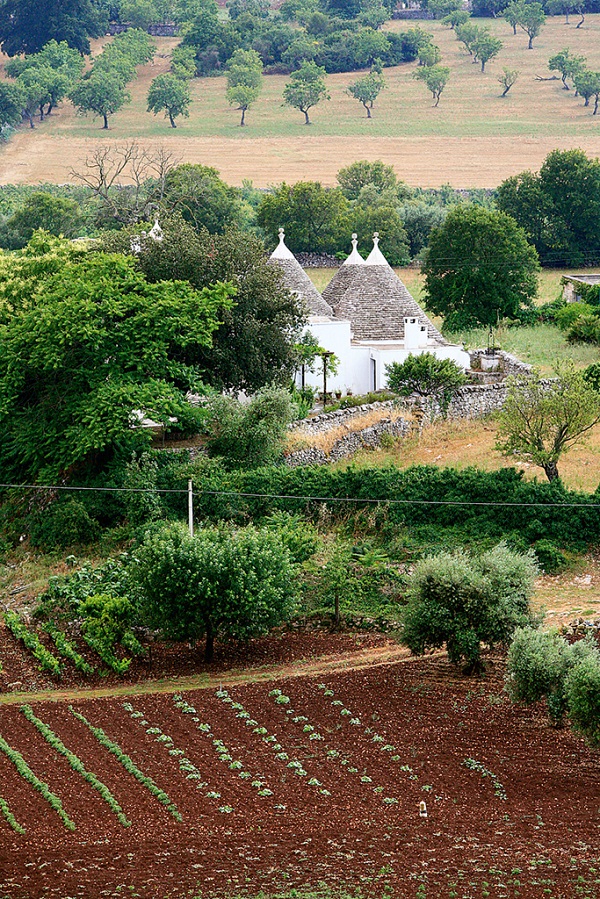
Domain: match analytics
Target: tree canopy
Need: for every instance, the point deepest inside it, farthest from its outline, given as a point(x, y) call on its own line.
point(479, 267)
point(244, 80)
point(315, 217)
point(170, 95)
point(255, 343)
point(559, 207)
point(465, 601)
point(306, 88)
point(26, 25)
point(86, 342)
point(541, 420)
point(219, 583)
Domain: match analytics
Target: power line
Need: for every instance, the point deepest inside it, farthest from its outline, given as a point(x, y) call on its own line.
point(307, 498)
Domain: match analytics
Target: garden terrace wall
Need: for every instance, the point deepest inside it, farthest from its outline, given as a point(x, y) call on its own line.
point(510, 364)
point(367, 438)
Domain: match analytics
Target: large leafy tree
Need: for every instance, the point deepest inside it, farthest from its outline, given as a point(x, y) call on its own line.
point(87, 341)
point(201, 197)
point(102, 93)
point(59, 216)
point(559, 207)
point(315, 218)
point(367, 89)
point(219, 583)
point(26, 25)
point(255, 342)
point(479, 267)
point(541, 420)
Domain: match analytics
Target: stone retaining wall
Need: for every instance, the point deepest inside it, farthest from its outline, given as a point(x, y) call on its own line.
point(367, 438)
point(318, 424)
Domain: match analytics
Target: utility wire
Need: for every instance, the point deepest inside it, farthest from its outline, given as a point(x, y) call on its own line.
point(316, 499)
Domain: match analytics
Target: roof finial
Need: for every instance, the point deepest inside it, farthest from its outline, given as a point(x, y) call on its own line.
point(354, 240)
point(281, 236)
point(376, 238)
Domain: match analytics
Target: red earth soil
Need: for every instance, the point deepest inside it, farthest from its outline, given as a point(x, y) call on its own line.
point(542, 840)
point(19, 672)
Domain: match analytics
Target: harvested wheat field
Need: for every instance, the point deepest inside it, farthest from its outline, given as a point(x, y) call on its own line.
point(474, 138)
point(295, 782)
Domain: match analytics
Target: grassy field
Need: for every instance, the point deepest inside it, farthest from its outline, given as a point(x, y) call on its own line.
point(474, 138)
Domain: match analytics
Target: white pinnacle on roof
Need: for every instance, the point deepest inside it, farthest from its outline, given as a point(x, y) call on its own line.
point(282, 252)
point(344, 276)
point(296, 280)
point(376, 257)
point(354, 258)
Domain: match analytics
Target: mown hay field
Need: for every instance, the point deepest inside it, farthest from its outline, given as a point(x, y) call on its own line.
point(473, 139)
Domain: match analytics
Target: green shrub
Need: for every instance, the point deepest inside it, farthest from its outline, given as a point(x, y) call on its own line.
point(537, 666)
point(297, 534)
point(585, 329)
point(65, 593)
point(570, 312)
point(543, 665)
point(465, 601)
point(549, 557)
point(592, 375)
point(106, 622)
point(63, 524)
point(582, 689)
point(427, 376)
point(247, 435)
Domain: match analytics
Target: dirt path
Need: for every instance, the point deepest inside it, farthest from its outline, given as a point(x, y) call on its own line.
point(322, 665)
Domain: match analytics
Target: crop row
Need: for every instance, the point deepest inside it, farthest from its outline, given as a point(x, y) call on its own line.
point(66, 649)
point(186, 767)
point(331, 752)
point(27, 774)
point(48, 661)
point(474, 765)
point(271, 741)
point(8, 815)
point(257, 781)
point(104, 652)
point(375, 738)
point(128, 764)
point(76, 764)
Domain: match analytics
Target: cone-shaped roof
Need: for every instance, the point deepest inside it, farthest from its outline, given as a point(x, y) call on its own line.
point(344, 276)
point(297, 280)
point(377, 302)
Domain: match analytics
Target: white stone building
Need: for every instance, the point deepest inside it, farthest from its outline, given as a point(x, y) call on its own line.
point(366, 317)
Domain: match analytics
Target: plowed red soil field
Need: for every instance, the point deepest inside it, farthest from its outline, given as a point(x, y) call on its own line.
point(320, 782)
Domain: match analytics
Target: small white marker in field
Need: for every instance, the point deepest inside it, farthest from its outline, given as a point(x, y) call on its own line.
point(422, 809)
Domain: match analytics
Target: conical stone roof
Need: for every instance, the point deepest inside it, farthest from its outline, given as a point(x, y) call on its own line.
point(344, 276)
point(377, 302)
point(297, 280)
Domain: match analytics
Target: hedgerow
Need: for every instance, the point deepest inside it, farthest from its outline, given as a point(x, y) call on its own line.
point(476, 503)
point(48, 661)
point(128, 764)
point(76, 764)
point(39, 785)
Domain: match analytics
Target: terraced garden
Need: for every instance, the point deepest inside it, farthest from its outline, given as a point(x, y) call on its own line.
point(279, 784)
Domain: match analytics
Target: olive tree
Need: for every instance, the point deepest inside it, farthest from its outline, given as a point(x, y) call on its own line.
point(306, 88)
point(367, 89)
point(464, 601)
point(541, 420)
point(219, 583)
point(171, 94)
